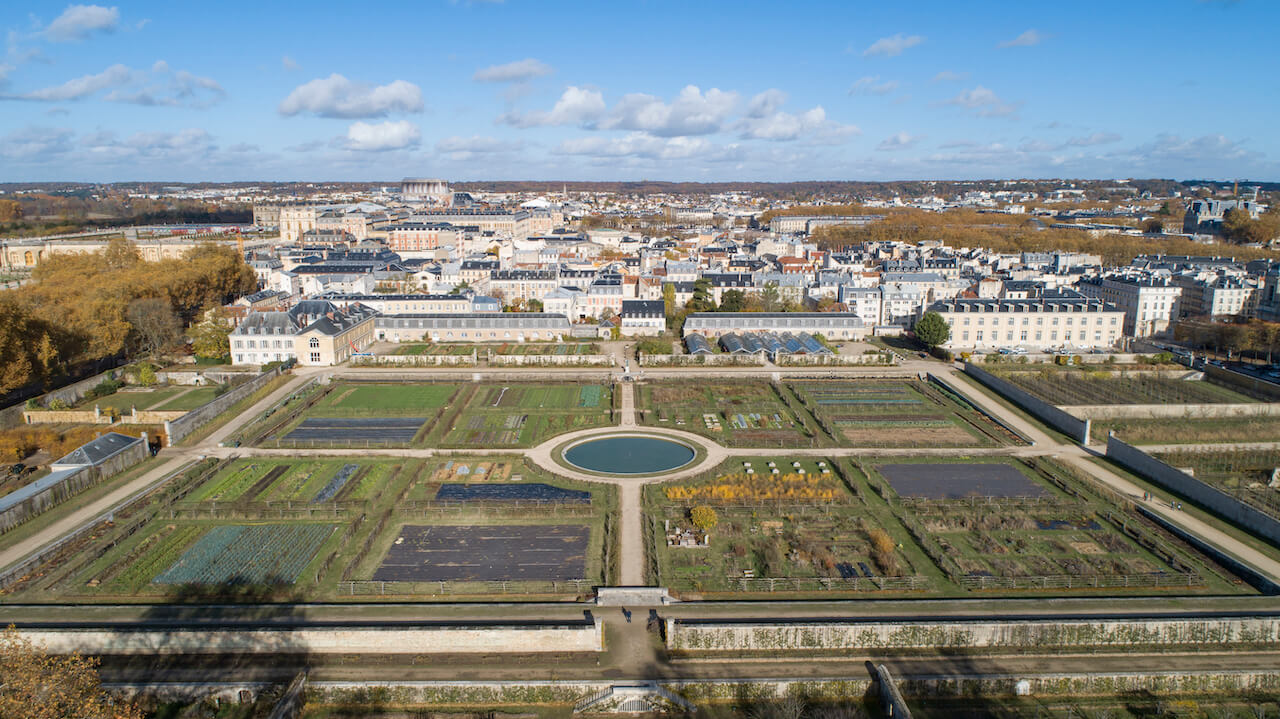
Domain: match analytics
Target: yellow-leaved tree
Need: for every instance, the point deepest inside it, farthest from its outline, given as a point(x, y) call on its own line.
point(35, 684)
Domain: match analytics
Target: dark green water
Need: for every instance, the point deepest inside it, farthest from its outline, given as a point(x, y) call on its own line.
point(629, 455)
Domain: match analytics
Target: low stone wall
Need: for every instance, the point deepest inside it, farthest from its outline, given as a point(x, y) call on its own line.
point(1155, 411)
point(1048, 633)
point(1207, 496)
point(438, 639)
point(1073, 427)
point(152, 416)
point(720, 360)
point(68, 416)
point(496, 360)
point(175, 430)
point(792, 360)
point(182, 378)
point(416, 361)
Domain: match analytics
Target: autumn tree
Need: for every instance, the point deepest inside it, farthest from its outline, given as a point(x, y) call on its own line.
point(932, 330)
point(703, 517)
point(10, 211)
point(210, 338)
point(155, 326)
point(35, 684)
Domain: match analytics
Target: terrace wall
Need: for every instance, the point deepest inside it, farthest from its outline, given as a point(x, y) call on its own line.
point(1212, 498)
point(795, 360)
point(1252, 386)
point(720, 360)
point(468, 360)
point(68, 416)
point(1141, 411)
point(176, 430)
point(152, 416)
point(808, 636)
point(72, 485)
point(496, 360)
point(1073, 427)
point(437, 639)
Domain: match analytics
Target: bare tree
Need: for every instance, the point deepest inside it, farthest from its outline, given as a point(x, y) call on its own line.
point(155, 325)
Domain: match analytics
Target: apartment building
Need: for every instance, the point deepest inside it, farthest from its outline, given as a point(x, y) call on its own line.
point(1149, 303)
point(1066, 321)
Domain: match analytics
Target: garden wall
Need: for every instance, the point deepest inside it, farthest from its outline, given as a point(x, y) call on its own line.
point(1245, 383)
point(883, 359)
point(1046, 633)
point(71, 485)
point(1211, 498)
point(721, 360)
point(68, 416)
point(72, 393)
point(177, 429)
point(416, 360)
point(434, 639)
point(1073, 427)
point(151, 416)
point(1151, 411)
point(496, 360)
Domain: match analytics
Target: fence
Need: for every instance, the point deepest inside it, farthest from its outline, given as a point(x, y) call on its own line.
point(1212, 498)
point(497, 360)
point(1094, 581)
point(1073, 427)
point(178, 429)
point(912, 583)
point(372, 586)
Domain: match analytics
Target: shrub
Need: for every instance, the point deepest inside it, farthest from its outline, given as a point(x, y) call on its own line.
point(58, 405)
point(881, 541)
point(147, 375)
point(703, 517)
point(102, 389)
point(33, 403)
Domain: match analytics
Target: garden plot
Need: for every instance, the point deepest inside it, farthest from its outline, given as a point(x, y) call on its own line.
point(248, 554)
point(264, 480)
point(897, 413)
point(508, 348)
point(1066, 388)
point(494, 553)
point(383, 400)
point(1252, 476)
point(435, 349)
point(746, 413)
point(957, 481)
point(1190, 430)
point(801, 529)
point(521, 415)
point(344, 430)
point(1034, 527)
point(536, 492)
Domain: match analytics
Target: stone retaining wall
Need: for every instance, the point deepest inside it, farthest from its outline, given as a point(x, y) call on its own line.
point(1073, 427)
point(68, 416)
point(176, 430)
point(508, 639)
point(1154, 411)
point(1101, 632)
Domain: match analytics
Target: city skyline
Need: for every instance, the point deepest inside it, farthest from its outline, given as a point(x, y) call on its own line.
point(513, 90)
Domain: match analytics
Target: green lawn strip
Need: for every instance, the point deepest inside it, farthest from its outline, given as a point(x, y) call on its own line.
point(23, 532)
point(235, 410)
point(197, 397)
point(124, 401)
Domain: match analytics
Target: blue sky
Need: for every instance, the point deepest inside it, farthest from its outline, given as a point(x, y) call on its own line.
point(639, 90)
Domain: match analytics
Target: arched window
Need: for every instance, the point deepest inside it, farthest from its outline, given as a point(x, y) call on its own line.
point(315, 343)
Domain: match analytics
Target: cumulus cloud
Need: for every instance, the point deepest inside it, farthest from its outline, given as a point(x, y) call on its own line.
point(185, 146)
point(784, 126)
point(83, 86)
point(893, 45)
point(577, 106)
point(766, 103)
point(337, 97)
point(644, 145)
point(871, 85)
point(984, 102)
point(77, 22)
point(518, 71)
point(692, 112)
point(383, 136)
point(36, 143)
point(1026, 39)
point(182, 89)
point(897, 141)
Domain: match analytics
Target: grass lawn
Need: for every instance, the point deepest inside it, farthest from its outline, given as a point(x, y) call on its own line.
point(124, 402)
point(197, 397)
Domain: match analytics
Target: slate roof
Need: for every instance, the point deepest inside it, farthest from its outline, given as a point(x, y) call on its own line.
point(99, 450)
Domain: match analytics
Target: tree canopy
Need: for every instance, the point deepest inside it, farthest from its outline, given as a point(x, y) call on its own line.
point(932, 330)
point(38, 685)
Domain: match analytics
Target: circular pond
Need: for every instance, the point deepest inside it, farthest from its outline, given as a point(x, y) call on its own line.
point(629, 455)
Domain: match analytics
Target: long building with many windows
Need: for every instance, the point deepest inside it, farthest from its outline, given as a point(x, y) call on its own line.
point(1064, 321)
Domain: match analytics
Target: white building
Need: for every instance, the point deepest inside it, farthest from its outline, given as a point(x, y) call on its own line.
point(1066, 322)
point(1149, 304)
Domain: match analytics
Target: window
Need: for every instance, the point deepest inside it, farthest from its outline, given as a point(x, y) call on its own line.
point(314, 343)
point(315, 358)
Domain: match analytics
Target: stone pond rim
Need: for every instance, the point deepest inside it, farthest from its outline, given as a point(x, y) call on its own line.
point(629, 454)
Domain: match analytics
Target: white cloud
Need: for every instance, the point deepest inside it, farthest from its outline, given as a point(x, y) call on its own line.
point(898, 141)
point(1097, 138)
point(785, 126)
point(893, 45)
point(189, 146)
point(576, 106)
point(644, 145)
point(691, 113)
point(337, 97)
point(289, 63)
point(949, 76)
point(36, 143)
point(871, 85)
point(160, 66)
point(1026, 39)
point(518, 71)
point(476, 145)
point(984, 102)
point(77, 22)
point(81, 87)
point(368, 137)
point(766, 103)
